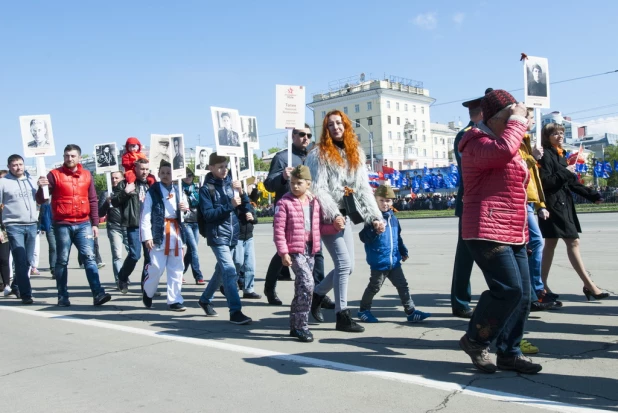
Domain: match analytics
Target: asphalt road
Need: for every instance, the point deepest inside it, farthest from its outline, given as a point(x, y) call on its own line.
point(123, 357)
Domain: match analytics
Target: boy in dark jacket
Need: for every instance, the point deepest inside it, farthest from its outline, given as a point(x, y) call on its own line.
point(244, 254)
point(218, 204)
point(385, 252)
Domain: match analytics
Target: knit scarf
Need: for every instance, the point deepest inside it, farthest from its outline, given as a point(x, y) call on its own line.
point(559, 150)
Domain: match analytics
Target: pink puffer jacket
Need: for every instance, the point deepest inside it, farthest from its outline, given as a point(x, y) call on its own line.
point(289, 230)
point(495, 179)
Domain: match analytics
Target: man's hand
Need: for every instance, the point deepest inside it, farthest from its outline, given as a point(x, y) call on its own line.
point(236, 201)
point(537, 153)
point(43, 181)
point(543, 214)
point(95, 232)
point(183, 206)
point(339, 223)
point(518, 109)
point(404, 258)
point(109, 199)
point(130, 188)
point(286, 260)
point(287, 172)
point(379, 226)
point(149, 244)
point(249, 216)
point(237, 186)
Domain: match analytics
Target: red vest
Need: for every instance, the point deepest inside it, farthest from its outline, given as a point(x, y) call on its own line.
point(70, 202)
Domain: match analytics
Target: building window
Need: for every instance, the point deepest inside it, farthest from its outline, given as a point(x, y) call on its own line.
point(390, 149)
point(435, 140)
point(424, 138)
point(423, 109)
point(414, 108)
point(399, 135)
point(357, 122)
point(415, 124)
point(443, 155)
point(423, 125)
point(388, 119)
point(400, 166)
point(369, 121)
point(398, 121)
point(388, 104)
point(390, 135)
point(424, 152)
point(356, 108)
point(368, 105)
point(323, 114)
point(391, 163)
point(416, 136)
point(405, 107)
point(436, 152)
point(396, 105)
point(345, 110)
point(399, 151)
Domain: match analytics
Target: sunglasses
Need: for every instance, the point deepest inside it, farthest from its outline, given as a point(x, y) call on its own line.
point(303, 134)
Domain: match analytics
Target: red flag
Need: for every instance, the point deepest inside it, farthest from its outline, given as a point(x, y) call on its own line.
point(380, 176)
point(387, 170)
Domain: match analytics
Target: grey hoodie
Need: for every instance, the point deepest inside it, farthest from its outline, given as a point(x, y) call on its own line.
point(18, 197)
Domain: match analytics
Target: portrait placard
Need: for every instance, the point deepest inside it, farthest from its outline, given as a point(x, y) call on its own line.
point(106, 157)
point(249, 131)
point(290, 107)
point(245, 162)
point(202, 155)
point(536, 82)
point(37, 135)
point(159, 150)
point(226, 124)
point(178, 156)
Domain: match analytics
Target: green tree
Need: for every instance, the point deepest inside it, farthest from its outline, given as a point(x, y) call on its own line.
point(259, 164)
point(273, 150)
point(100, 183)
point(611, 155)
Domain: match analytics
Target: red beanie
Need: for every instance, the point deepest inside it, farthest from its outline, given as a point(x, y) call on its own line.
point(494, 101)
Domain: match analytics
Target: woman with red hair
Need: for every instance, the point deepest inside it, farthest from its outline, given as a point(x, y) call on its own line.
point(337, 166)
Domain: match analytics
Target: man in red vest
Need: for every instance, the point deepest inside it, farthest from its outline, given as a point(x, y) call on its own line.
point(75, 216)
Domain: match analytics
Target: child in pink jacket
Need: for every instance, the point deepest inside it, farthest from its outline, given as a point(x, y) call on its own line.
point(297, 230)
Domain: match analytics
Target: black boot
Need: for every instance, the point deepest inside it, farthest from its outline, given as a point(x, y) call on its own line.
point(327, 303)
point(316, 311)
point(345, 323)
point(272, 297)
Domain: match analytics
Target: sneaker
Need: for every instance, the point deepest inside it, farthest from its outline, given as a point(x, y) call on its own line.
point(416, 316)
point(200, 281)
point(101, 299)
point(34, 271)
point(7, 291)
point(327, 303)
point(527, 347)
point(346, 324)
point(100, 265)
point(549, 299)
point(479, 354)
point(540, 306)
point(15, 291)
point(27, 301)
point(367, 317)
point(463, 312)
point(123, 287)
point(251, 296)
point(237, 317)
point(272, 298)
point(64, 302)
point(304, 336)
point(208, 309)
point(520, 364)
point(146, 300)
point(177, 307)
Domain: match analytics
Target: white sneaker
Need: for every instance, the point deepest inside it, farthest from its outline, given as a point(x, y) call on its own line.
point(7, 291)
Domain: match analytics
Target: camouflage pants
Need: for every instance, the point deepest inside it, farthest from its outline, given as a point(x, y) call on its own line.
point(302, 266)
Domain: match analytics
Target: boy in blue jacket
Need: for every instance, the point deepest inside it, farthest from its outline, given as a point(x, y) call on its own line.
point(217, 206)
point(385, 252)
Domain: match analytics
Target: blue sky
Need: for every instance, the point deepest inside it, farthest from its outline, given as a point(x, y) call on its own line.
point(109, 70)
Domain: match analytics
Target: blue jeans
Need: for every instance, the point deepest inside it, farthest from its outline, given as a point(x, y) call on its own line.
point(502, 310)
point(135, 250)
point(22, 239)
point(244, 259)
point(51, 242)
point(116, 235)
point(191, 232)
point(81, 236)
point(225, 273)
point(535, 244)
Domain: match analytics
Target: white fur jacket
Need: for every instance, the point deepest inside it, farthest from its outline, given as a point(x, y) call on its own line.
point(329, 180)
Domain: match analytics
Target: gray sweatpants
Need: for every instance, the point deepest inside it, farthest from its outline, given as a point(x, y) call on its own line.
point(340, 246)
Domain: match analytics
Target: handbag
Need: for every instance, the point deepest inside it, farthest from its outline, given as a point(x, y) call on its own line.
point(351, 206)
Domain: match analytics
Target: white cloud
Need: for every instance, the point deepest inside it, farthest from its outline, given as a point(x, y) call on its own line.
point(426, 21)
point(459, 18)
point(602, 125)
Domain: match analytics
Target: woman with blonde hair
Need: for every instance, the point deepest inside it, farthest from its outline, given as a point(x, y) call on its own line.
point(559, 181)
point(337, 165)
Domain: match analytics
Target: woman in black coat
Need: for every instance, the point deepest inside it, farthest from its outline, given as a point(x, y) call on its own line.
point(559, 180)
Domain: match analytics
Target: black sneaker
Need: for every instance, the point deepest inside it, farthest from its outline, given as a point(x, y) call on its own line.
point(102, 298)
point(64, 302)
point(237, 317)
point(272, 298)
point(463, 313)
point(123, 286)
point(27, 301)
point(479, 354)
point(304, 336)
point(15, 291)
point(520, 364)
point(251, 296)
point(177, 307)
point(208, 309)
point(146, 300)
point(539, 306)
point(327, 303)
point(345, 323)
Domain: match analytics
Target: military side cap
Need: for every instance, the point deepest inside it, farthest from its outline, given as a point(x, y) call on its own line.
point(215, 159)
point(385, 191)
point(302, 172)
point(164, 163)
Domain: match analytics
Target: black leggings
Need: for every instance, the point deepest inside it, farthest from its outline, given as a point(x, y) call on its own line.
point(5, 270)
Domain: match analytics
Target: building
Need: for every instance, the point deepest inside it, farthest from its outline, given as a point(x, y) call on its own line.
point(390, 117)
point(597, 143)
point(571, 129)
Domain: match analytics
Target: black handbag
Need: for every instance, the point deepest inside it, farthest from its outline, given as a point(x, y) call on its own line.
point(351, 206)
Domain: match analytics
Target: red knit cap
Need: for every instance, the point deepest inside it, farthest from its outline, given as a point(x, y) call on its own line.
point(494, 102)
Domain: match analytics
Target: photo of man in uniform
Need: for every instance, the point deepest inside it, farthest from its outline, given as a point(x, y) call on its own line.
point(159, 151)
point(105, 156)
point(179, 159)
point(227, 137)
point(38, 130)
point(202, 160)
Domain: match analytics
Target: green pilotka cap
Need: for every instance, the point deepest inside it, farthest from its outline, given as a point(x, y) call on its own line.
point(385, 191)
point(302, 172)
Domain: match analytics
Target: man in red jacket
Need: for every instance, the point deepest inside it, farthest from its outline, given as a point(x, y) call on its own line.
point(76, 219)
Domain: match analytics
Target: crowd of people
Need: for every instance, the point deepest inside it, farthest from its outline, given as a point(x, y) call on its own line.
point(515, 203)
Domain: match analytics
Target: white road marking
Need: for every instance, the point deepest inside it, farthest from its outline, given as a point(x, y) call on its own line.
point(385, 375)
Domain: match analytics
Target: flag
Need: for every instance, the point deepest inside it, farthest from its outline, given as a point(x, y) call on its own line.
point(425, 171)
point(607, 169)
point(598, 170)
point(616, 166)
point(387, 170)
point(581, 168)
point(454, 169)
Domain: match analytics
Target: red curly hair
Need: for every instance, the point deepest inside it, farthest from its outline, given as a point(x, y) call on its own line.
point(329, 151)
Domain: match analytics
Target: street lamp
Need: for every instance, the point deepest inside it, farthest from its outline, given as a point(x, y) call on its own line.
point(370, 144)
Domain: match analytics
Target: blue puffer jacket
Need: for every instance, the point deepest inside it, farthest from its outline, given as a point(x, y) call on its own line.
point(384, 251)
point(222, 224)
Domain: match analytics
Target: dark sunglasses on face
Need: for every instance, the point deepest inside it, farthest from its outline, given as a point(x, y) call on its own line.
point(303, 134)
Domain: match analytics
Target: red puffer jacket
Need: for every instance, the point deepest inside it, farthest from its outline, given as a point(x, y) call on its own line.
point(70, 202)
point(495, 179)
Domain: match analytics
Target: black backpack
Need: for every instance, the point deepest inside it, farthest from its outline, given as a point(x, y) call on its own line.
point(201, 224)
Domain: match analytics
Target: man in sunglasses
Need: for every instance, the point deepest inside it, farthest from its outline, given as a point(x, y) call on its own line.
point(278, 182)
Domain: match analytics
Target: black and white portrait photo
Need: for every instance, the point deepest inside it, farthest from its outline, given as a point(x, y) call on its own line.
point(178, 156)
point(536, 82)
point(226, 123)
point(159, 150)
point(249, 131)
point(202, 155)
point(245, 162)
point(37, 135)
point(105, 156)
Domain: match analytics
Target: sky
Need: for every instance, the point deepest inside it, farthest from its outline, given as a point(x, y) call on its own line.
point(105, 71)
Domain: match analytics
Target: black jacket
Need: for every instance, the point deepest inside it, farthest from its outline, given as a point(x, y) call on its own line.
point(113, 213)
point(129, 204)
point(274, 182)
point(460, 190)
point(558, 183)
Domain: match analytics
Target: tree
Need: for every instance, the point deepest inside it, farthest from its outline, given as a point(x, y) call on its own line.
point(259, 164)
point(100, 183)
point(273, 150)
